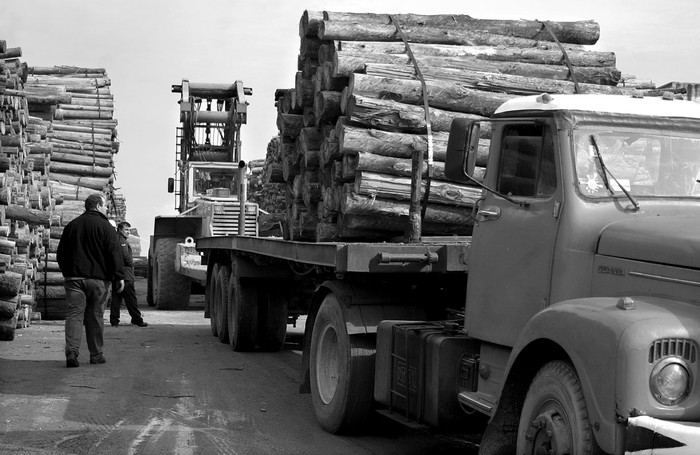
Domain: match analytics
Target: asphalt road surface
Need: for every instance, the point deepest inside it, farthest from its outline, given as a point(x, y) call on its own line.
point(173, 388)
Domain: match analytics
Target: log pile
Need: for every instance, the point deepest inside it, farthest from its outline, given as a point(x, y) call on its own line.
point(57, 141)
point(355, 118)
point(266, 187)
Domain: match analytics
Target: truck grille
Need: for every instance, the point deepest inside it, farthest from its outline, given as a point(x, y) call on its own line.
point(679, 347)
point(225, 219)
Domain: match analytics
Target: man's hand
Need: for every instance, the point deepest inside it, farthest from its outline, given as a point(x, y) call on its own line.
point(121, 286)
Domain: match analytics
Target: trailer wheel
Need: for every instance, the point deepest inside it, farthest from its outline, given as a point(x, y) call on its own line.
point(243, 313)
point(171, 291)
point(554, 418)
point(272, 317)
point(222, 303)
point(342, 371)
point(210, 300)
point(149, 282)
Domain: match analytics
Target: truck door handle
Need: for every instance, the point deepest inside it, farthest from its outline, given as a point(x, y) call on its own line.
point(490, 213)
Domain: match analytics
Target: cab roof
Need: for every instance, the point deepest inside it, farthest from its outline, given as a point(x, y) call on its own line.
point(614, 104)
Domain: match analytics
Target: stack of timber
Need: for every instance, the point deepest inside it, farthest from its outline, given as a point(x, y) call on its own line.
point(355, 120)
point(57, 141)
point(267, 188)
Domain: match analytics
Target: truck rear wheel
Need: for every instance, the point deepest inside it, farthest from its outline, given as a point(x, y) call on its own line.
point(243, 314)
point(222, 303)
point(171, 291)
point(342, 371)
point(272, 317)
point(209, 298)
point(554, 418)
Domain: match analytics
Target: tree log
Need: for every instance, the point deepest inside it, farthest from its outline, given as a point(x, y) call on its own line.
point(290, 124)
point(10, 284)
point(353, 140)
point(445, 95)
point(49, 278)
point(56, 291)
point(541, 56)
point(95, 183)
point(393, 116)
point(81, 170)
point(81, 159)
point(391, 187)
point(577, 32)
point(346, 63)
point(29, 216)
point(327, 107)
point(354, 31)
point(357, 204)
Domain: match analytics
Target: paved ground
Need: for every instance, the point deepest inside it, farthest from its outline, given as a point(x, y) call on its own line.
point(172, 388)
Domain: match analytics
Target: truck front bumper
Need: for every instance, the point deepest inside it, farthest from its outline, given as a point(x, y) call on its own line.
point(650, 436)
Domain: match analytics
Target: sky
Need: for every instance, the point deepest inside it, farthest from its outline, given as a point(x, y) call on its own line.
point(147, 46)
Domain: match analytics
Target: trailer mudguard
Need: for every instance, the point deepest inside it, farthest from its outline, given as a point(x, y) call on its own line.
point(608, 339)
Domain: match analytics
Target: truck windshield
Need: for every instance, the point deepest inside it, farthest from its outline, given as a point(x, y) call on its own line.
point(645, 163)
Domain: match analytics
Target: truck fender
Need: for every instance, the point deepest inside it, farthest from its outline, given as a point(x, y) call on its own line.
point(582, 332)
point(364, 307)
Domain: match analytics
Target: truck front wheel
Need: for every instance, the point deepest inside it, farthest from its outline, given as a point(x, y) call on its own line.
point(554, 418)
point(342, 371)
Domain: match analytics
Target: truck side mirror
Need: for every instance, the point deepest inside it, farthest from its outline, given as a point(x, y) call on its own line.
point(171, 185)
point(462, 146)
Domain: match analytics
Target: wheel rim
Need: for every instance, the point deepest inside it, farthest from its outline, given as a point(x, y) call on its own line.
point(550, 431)
point(327, 364)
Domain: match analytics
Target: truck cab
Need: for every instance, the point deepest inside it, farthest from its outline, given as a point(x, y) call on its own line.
point(583, 273)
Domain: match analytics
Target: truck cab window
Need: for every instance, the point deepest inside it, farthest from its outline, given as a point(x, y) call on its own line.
point(527, 162)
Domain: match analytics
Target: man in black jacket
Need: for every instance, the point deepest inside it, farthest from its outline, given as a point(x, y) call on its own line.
point(129, 292)
point(90, 258)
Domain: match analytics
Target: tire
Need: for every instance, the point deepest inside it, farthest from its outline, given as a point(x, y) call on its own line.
point(243, 314)
point(272, 319)
point(210, 300)
point(554, 417)
point(149, 282)
point(222, 303)
point(171, 291)
point(342, 371)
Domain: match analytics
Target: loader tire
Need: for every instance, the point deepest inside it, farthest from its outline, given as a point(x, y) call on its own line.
point(149, 282)
point(171, 291)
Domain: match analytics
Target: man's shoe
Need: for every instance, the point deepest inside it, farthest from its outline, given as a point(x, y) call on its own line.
point(96, 360)
point(141, 324)
point(72, 360)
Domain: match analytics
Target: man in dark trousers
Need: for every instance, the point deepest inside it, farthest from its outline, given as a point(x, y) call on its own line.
point(129, 292)
point(90, 258)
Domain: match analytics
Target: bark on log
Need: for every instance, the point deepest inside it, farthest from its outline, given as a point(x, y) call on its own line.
point(541, 56)
point(506, 83)
point(327, 107)
point(357, 204)
point(95, 183)
point(10, 284)
point(80, 170)
point(49, 278)
point(577, 32)
point(354, 31)
point(29, 216)
point(345, 63)
point(290, 124)
point(57, 291)
point(441, 94)
point(353, 140)
point(391, 187)
point(393, 116)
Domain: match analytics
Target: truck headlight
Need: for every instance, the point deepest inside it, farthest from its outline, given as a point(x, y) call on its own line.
point(670, 381)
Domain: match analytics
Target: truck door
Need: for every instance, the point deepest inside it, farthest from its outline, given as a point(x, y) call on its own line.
point(512, 245)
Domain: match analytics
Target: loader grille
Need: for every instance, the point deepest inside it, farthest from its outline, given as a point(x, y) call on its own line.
point(225, 219)
point(679, 347)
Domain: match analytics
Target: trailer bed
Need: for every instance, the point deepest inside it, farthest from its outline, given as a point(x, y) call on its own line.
point(432, 255)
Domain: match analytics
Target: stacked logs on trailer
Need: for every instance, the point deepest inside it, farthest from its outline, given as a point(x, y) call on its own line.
point(350, 127)
point(266, 187)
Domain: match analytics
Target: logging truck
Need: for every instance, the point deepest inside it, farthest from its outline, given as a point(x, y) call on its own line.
point(568, 322)
point(209, 186)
